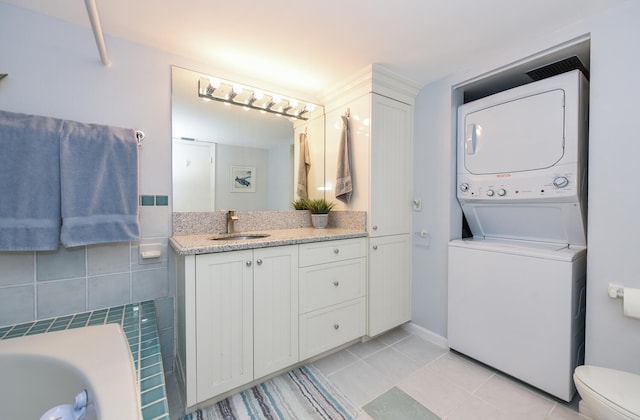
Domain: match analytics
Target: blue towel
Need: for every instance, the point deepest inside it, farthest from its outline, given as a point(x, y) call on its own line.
point(99, 184)
point(29, 182)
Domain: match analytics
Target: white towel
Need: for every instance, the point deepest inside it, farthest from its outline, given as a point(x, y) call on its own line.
point(344, 186)
point(29, 182)
point(304, 164)
point(99, 184)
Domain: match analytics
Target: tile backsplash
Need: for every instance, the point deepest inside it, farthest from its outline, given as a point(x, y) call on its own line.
point(194, 223)
point(47, 284)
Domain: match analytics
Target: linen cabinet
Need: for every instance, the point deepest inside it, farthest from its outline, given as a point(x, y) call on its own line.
point(390, 211)
point(380, 107)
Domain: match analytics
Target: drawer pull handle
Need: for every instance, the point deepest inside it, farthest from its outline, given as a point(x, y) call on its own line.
point(336, 251)
point(336, 326)
point(374, 227)
point(248, 263)
point(336, 283)
point(375, 247)
point(259, 261)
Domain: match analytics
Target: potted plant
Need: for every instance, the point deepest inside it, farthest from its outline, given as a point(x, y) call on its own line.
point(319, 209)
point(300, 204)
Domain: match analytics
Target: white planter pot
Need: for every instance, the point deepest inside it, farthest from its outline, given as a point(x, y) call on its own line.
point(319, 221)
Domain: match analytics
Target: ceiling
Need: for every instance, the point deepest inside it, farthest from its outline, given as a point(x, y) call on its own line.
point(310, 46)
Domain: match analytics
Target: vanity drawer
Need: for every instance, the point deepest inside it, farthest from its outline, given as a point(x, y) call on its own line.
point(330, 327)
point(329, 284)
point(325, 252)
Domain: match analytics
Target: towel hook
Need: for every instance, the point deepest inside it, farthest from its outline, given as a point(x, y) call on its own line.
point(139, 136)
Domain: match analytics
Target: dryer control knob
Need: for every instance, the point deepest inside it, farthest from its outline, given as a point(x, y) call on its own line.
point(560, 182)
point(490, 193)
point(502, 192)
point(464, 187)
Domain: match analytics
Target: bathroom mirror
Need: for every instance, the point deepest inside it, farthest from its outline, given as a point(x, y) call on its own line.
point(233, 157)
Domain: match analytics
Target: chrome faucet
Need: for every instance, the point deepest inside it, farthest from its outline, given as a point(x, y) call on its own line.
point(231, 219)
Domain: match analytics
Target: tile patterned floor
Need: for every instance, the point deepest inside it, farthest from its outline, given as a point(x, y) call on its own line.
point(408, 368)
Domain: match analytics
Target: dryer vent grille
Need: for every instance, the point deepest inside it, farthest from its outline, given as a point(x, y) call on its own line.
point(559, 67)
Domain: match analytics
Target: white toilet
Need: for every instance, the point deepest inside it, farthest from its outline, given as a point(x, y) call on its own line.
point(608, 394)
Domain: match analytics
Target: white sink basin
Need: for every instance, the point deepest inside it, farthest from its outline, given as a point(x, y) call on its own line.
point(42, 371)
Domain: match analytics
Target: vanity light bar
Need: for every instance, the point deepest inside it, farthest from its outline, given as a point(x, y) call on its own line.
point(229, 93)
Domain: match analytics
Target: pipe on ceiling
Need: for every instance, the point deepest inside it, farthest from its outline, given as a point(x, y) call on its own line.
point(92, 10)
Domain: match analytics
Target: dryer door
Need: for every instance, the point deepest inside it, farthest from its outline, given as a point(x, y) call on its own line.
point(520, 135)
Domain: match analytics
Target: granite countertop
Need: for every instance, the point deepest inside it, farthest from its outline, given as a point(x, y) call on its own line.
point(203, 243)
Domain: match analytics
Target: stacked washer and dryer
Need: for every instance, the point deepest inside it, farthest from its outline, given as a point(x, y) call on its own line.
point(517, 286)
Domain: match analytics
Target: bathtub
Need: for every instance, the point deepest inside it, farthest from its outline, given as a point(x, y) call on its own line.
point(38, 372)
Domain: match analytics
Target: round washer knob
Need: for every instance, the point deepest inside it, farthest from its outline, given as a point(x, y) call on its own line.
point(502, 192)
point(560, 182)
point(464, 187)
point(490, 193)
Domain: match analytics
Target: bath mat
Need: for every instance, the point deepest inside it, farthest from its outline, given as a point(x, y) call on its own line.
point(396, 405)
point(303, 393)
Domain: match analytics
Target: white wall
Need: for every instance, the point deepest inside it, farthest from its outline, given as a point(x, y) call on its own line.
point(54, 70)
point(612, 340)
point(228, 156)
point(614, 223)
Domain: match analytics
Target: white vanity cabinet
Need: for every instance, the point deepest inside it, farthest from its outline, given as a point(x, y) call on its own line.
point(275, 309)
point(239, 314)
point(332, 294)
point(223, 341)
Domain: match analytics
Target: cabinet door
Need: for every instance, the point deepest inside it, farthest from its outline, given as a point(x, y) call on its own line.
point(391, 166)
point(389, 282)
point(224, 317)
point(275, 324)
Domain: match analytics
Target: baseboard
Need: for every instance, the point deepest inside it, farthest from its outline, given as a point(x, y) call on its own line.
point(426, 334)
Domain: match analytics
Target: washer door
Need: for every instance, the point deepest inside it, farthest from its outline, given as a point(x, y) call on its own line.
point(523, 134)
